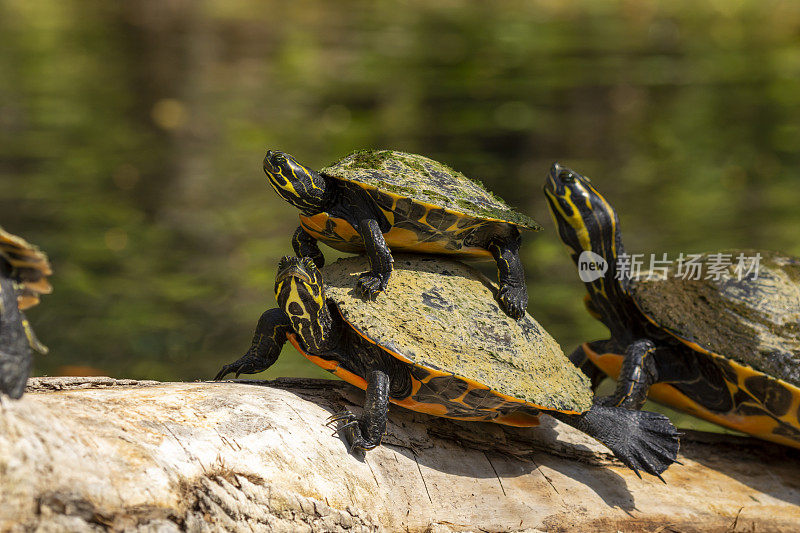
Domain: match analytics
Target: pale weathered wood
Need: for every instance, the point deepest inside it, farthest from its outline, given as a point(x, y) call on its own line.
point(88, 453)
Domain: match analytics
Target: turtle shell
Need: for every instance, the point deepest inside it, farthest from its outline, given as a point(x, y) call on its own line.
point(29, 267)
point(427, 181)
point(441, 315)
point(753, 319)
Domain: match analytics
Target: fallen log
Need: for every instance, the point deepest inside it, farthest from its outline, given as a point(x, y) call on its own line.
point(89, 454)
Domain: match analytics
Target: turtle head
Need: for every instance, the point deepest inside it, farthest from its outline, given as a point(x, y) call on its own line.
point(589, 227)
point(300, 294)
point(586, 222)
point(300, 186)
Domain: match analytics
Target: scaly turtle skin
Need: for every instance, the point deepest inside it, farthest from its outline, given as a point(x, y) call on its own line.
point(376, 201)
point(23, 271)
point(437, 343)
point(726, 350)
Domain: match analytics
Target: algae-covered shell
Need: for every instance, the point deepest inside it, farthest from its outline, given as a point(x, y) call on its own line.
point(442, 315)
point(29, 267)
point(749, 316)
point(426, 181)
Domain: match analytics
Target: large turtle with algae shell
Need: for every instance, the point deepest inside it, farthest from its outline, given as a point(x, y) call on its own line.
point(717, 335)
point(437, 343)
point(379, 201)
point(23, 278)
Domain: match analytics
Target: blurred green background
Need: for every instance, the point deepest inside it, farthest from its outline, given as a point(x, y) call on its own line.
point(132, 134)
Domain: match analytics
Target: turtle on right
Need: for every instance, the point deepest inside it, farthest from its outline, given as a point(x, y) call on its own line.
point(23, 278)
point(723, 345)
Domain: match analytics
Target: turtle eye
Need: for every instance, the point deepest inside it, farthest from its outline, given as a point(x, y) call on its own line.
point(567, 176)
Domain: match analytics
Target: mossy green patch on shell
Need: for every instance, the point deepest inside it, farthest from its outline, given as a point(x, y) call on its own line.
point(442, 314)
point(425, 180)
point(754, 320)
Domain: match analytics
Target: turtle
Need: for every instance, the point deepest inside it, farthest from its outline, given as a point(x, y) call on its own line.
point(23, 278)
point(437, 343)
point(379, 201)
point(721, 343)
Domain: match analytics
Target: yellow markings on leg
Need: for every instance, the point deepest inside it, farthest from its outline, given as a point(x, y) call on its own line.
point(631, 384)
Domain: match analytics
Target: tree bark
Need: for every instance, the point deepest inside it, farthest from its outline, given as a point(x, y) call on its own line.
point(84, 454)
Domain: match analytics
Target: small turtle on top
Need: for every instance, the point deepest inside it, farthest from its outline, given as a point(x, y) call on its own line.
point(23, 277)
point(437, 343)
point(379, 201)
point(725, 348)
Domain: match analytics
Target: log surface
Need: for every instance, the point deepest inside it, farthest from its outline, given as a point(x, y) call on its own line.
point(85, 454)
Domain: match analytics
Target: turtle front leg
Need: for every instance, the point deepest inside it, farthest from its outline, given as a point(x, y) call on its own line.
point(269, 338)
point(366, 432)
point(380, 259)
point(639, 371)
point(513, 293)
point(306, 246)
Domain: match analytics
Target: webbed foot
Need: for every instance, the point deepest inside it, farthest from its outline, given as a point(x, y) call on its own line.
point(642, 440)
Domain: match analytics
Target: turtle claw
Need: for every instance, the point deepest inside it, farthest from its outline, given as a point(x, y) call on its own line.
point(248, 364)
point(342, 415)
point(227, 369)
point(340, 428)
point(352, 431)
point(513, 300)
point(349, 424)
point(370, 284)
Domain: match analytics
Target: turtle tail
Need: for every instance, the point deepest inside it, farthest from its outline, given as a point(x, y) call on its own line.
point(640, 439)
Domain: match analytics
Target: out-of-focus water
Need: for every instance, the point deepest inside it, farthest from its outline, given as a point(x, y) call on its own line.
point(132, 133)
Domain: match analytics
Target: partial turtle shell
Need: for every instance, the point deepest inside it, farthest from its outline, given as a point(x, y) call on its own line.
point(30, 268)
point(425, 180)
point(442, 314)
point(754, 320)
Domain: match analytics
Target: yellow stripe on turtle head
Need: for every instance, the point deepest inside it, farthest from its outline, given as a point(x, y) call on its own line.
point(300, 294)
point(298, 185)
point(564, 209)
point(584, 218)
